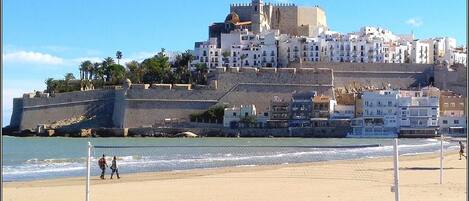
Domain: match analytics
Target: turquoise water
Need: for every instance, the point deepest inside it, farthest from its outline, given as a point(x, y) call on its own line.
point(47, 158)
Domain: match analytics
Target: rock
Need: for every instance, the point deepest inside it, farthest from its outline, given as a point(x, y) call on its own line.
point(187, 134)
point(50, 132)
point(85, 133)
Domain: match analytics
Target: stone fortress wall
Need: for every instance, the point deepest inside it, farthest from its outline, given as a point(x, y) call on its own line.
point(29, 112)
point(286, 17)
point(140, 107)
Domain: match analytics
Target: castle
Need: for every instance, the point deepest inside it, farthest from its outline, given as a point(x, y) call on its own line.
point(260, 17)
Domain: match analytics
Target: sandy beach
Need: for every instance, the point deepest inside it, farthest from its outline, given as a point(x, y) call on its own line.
point(359, 180)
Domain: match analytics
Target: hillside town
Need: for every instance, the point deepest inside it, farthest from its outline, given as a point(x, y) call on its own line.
point(254, 35)
point(268, 67)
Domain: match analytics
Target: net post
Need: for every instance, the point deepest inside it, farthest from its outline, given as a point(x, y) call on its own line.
point(396, 170)
point(88, 171)
point(441, 159)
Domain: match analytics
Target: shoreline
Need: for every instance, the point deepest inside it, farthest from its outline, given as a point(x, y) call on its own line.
point(417, 171)
point(230, 169)
point(331, 161)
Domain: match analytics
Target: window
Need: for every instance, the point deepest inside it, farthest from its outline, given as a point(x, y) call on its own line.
point(456, 121)
point(445, 121)
point(234, 114)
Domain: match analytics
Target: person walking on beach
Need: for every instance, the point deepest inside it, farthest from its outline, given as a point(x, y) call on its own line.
point(461, 150)
point(114, 168)
point(102, 164)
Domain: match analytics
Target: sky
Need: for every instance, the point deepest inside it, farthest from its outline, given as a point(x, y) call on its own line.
point(48, 38)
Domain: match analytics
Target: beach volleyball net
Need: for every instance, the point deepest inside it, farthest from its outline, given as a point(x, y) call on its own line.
point(319, 168)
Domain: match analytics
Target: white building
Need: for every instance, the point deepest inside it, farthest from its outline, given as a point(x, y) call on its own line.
point(343, 112)
point(242, 48)
point(380, 115)
point(419, 114)
point(419, 52)
point(454, 126)
point(233, 116)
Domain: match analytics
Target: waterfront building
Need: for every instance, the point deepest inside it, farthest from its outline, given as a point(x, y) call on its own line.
point(343, 112)
point(262, 119)
point(323, 106)
point(419, 113)
point(380, 115)
point(453, 114)
point(301, 109)
point(234, 115)
point(453, 126)
point(279, 113)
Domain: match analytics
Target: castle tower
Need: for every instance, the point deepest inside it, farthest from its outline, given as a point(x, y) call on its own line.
point(257, 18)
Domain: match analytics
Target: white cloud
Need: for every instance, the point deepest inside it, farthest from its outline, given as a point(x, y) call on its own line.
point(415, 22)
point(77, 61)
point(31, 57)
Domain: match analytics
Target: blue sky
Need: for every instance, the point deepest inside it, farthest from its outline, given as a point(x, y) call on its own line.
point(49, 38)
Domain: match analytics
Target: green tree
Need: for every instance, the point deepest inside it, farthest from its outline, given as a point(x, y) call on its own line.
point(182, 72)
point(248, 121)
point(225, 55)
point(86, 67)
point(202, 71)
point(67, 78)
point(156, 68)
point(108, 61)
point(135, 72)
point(97, 72)
point(49, 85)
point(118, 56)
point(117, 73)
point(242, 58)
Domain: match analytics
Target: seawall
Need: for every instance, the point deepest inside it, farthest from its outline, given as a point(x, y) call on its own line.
point(140, 107)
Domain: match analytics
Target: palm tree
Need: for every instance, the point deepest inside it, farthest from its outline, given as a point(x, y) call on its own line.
point(134, 71)
point(105, 65)
point(81, 71)
point(69, 76)
point(49, 82)
point(225, 55)
point(202, 70)
point(96, 67)
point(243, 57)
point(86, 67)
point(118, 56)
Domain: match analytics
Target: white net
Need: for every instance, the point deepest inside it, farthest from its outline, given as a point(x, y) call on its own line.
point(323, 168)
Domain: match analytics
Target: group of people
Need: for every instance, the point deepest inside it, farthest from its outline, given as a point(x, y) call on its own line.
point(102, 165)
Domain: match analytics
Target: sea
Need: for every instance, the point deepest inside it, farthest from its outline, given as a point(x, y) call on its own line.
point(36, 158)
